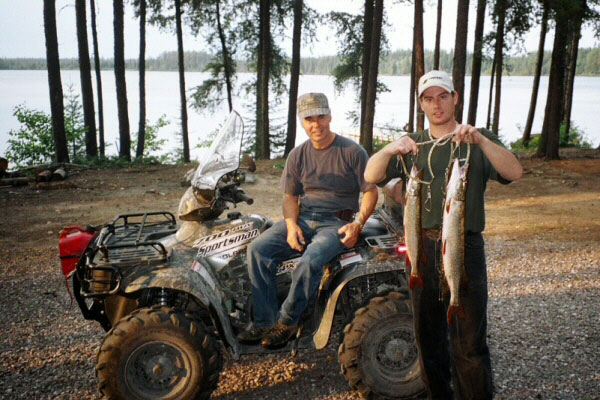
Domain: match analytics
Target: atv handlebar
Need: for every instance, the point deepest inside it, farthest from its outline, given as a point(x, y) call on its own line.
point(240, 196)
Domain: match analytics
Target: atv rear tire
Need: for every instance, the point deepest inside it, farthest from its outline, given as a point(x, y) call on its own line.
point(157, 353)
point(378, 355)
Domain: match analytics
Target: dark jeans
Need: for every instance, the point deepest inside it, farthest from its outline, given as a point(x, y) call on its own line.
point(458, 350)
point(267, 252)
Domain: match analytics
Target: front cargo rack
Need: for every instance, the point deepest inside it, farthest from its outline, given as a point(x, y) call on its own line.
point(130, 240)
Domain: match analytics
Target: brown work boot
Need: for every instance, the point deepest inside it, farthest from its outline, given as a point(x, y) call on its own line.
point(279, 335)
point(252, 334)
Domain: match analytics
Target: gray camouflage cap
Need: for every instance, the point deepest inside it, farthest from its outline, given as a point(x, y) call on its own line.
point(310, 104)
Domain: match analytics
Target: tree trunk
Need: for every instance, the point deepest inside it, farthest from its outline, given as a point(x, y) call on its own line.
point(290, 141)
point(227, 68)
point(492, 75)
point(98, 79)
point(124, 138)
point(413, 83)
point(263, 150)
point(574, 45)
point(538, 73)
point(55, 83)
point(366, 58)
point(184, 117)
point(420, 58)
point(477, 58)
point(550, 137)
point(85, 74)
point(139, 153)
point(372, 82)
point(499, 67)
point(460, 56)
point(438, 34)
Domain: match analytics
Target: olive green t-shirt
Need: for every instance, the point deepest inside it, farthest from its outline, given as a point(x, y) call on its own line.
point(480, 171)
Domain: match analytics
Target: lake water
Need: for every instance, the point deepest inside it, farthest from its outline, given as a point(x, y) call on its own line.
point(162, 97)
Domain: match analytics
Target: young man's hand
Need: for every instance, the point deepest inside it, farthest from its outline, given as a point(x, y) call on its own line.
point(404, 145)
point(468, 134)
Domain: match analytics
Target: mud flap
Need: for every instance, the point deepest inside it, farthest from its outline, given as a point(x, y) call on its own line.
point(321, 336)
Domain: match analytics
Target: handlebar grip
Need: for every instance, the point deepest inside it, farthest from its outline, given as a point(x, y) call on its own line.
point(241, 196)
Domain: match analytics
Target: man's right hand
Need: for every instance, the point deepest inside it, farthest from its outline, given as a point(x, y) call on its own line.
point(404, 145)
point(378, 163)
point(295, 237)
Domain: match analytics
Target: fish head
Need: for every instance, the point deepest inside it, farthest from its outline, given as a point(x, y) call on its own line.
point(457, 184)
point(414, 182)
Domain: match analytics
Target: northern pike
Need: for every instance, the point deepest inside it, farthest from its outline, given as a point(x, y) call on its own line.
point(412, 225)
point(453, 237)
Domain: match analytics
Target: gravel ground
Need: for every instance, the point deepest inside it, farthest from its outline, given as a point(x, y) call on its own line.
point(544, 327)
point(543, 332)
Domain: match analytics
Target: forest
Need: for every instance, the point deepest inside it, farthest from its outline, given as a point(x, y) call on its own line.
point(240, 35)
point(397, 62)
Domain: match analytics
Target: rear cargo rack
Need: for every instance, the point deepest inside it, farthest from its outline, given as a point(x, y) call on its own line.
point(382, 241)
point(130, 240)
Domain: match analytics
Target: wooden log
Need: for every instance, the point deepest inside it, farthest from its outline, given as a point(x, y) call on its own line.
point(3, 166)
point(59, 174)
point(43, 176)
point(56, 185)
point(20, 181)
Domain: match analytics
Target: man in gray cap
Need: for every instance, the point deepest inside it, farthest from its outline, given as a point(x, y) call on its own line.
point(458, 349)
point(321, 181)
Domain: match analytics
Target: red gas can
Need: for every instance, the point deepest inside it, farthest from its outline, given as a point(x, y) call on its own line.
point(73, 242)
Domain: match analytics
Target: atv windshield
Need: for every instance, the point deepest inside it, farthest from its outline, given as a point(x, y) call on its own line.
point(223, 156)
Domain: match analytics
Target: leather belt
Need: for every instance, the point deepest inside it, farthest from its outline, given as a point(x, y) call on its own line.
point(346, 215)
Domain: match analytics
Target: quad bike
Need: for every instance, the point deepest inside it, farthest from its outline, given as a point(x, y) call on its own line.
point(173, 296)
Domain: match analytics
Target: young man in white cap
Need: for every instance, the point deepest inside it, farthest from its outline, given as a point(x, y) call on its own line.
point(458, 350)
point(321, 181)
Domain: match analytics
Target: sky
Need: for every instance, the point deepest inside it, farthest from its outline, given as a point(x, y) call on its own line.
point(22, 29)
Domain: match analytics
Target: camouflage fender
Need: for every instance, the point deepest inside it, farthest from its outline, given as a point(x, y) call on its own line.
point(381, 263)
point(198, 282)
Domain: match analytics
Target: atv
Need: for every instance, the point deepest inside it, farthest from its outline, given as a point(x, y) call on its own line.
point(173, 295)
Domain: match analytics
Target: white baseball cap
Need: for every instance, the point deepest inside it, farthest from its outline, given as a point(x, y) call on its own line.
point(435, 78)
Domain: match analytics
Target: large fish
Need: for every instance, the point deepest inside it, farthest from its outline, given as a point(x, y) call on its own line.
point(412, 225)
point(453, 237)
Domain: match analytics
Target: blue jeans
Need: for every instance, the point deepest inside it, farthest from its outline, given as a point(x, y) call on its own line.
point(458, 352)
point(271, 248)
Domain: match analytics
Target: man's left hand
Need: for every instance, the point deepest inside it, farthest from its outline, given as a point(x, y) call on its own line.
point(468, 134)
point(350, 232)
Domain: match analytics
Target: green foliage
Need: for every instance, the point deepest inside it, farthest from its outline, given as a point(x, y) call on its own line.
point(207, 17)
point(574, 138)
point(394, 63)
point(379, 143)
point(74, 125)
point(33, 142)
point(531, 147)
point(152, 144)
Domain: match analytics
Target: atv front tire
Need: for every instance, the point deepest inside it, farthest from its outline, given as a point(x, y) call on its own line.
point(378, 355)
point(157, 353)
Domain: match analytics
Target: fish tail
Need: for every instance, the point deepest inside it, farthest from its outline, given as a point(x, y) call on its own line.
point(416, 280)
point(454, 310)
